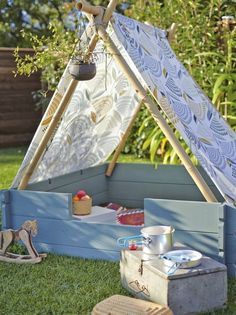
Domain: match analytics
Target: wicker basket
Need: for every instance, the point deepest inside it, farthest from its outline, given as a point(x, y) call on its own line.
point(82, 207)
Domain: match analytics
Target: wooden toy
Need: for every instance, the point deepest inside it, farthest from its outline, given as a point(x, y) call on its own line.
point(24, 234)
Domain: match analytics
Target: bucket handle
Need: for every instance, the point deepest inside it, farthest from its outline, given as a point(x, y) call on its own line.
point(173, 268)
point(124, 241)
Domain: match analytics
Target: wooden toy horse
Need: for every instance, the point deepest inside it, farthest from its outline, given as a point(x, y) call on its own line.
point(25, 233)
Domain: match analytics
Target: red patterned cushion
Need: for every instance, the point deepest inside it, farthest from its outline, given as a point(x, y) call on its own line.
point(130, 217)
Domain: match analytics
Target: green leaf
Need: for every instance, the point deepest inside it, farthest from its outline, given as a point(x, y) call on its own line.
point(219, 81)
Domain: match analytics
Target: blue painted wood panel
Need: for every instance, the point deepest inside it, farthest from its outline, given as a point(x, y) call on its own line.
point(141, 190)
point(6, 210)
point(64, 180)
point(231, 249)
point(92, 185)
point(231, 270)
point(206, 243)
point(137, 181)
point(88, 253)
point(101, 198)
point(230, 219)
point(198, 224)
point(79, 234)
point(40, 204)
point(169, 174)
point(184, 215)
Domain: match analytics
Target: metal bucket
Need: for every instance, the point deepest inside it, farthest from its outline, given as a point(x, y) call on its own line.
point(155, 240)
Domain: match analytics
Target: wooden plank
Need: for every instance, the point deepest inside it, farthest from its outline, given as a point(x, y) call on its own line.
point(76, 251)
point(12, 86)
point(23, 82)
point(206, 243)
point(99, 199)
point(14, 107)
point(140, 190)
point(20, 115)
point(7, 75)
point(78, 233)
point(92, 185)
point(5, 94)
point(67, 179)
point(183, 215)
point(175, 174)
point(230, 220)
point(74, 233)
point(40, 204)
point(6, 211)
point(231, 270)
point(231, 249)
point(6, 70)
point(18, 126)
point(15, 139)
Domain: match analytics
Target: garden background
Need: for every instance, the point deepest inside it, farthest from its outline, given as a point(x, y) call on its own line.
point(65, 285)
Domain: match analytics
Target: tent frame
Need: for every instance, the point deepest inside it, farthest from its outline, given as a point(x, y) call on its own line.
point(100, 18)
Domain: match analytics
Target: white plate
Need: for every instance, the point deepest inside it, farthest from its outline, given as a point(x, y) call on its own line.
point(186, 257)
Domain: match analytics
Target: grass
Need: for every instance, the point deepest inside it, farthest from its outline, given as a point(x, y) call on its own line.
point(10, 160)
point(59, 285)
point(62, 285)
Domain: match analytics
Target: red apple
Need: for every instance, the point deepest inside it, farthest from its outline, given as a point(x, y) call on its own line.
point(81, 194)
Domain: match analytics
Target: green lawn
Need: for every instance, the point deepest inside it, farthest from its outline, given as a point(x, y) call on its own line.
point(61, 285)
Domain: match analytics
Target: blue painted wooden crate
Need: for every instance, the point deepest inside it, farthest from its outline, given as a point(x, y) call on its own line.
point(168, 195)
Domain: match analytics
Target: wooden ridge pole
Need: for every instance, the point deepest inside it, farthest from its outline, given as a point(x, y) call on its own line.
point(66, 97)
point(152, 107)
point(121, 145)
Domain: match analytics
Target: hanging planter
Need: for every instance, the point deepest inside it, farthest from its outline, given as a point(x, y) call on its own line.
point(81, 70)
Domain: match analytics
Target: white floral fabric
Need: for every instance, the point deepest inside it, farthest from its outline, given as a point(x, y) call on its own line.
point(207, 134)
point(92, 126)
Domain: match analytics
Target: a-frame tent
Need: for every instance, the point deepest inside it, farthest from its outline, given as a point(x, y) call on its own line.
point(86, 122)
point(143, 55)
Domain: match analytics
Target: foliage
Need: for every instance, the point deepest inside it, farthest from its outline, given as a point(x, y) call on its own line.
point(134, 144)
point(159, 145)
point(51, 53)
point(224, 89)
point(53, 48)
point(198, 46)
point(31, 16)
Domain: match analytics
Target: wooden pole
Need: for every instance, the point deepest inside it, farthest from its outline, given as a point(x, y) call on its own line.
point(111, 166)
point(153, 109)
point(61, 108)
point(47, 135)
point(85, 7)
point(122, 142)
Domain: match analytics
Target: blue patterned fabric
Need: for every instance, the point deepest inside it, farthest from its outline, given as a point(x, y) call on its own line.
point(150, 56)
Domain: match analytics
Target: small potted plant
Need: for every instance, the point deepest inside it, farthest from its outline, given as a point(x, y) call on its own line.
point(82, 69)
